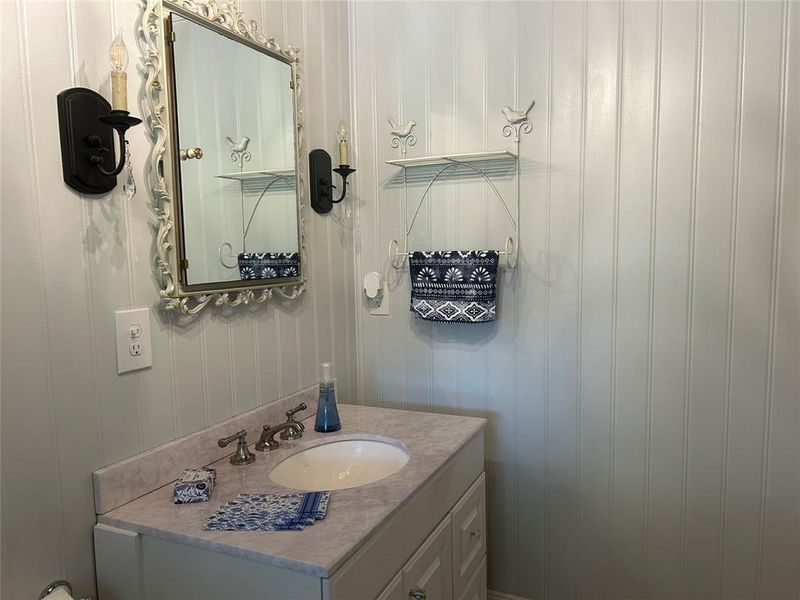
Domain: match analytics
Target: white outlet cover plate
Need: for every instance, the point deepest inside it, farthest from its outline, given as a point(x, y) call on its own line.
point(130, 321)
point(380, 308)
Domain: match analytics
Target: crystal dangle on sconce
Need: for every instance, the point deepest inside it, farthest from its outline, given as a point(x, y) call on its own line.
point(130, 184)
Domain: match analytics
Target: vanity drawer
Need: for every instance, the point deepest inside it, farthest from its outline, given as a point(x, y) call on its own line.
point(469, 534)
point(429, 572)
point(476, 586)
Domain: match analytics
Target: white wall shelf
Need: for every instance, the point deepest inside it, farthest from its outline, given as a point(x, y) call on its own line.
point(257, 175)
point(426, 161)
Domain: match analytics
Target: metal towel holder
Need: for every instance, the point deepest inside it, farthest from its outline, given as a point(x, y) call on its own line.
point(398, 258)
point(518, 122)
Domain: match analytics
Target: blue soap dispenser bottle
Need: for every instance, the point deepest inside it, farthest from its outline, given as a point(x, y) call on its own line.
point(327, 414)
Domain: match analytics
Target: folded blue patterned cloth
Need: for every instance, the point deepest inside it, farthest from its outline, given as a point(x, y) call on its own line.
point(268, 265)
point(454, 286)
point(270, 512)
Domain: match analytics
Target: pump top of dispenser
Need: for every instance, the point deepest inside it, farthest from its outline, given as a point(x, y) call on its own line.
point(326, 375)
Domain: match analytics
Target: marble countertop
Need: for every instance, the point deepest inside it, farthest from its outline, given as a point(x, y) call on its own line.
point(353, 514)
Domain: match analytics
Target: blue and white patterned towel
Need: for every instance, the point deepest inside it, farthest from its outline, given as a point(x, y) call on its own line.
point(268, 265)
point(454, 286)
point(270, 512)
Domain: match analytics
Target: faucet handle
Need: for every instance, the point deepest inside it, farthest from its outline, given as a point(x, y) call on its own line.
point(293, 411)
point(242, 456)
point(294, 433)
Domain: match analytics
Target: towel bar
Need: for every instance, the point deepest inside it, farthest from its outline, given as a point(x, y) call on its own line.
point(509, 251)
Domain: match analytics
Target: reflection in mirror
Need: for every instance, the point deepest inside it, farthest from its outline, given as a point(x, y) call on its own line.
point(235, 135)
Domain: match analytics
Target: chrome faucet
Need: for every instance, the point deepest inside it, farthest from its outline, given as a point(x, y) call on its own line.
point(291, 430)
point(267, 440)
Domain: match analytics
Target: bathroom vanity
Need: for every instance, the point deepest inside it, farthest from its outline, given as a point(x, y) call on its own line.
point(417, 534)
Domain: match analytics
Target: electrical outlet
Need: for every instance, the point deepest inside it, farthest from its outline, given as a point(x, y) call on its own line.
point(133, 340)
point(380, 306)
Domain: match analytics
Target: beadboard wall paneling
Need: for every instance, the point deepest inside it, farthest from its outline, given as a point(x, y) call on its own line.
point(641, 381)
point(69, 261)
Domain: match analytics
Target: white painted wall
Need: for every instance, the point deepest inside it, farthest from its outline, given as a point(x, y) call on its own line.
point(642, 378)
point(68, 262)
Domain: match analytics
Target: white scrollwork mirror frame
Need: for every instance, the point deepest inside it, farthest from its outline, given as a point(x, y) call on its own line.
point(229, 20)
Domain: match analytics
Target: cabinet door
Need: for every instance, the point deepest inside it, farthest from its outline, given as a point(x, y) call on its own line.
point(469, 534)
point(428, 575)
point(393, 591)
point(476, 587)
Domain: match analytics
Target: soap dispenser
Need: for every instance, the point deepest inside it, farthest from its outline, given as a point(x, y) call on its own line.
point(327, 414)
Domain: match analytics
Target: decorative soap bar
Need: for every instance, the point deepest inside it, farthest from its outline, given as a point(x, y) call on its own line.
point(195, 485)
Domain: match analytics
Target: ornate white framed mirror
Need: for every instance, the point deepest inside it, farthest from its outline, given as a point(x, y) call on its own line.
point(222, 106)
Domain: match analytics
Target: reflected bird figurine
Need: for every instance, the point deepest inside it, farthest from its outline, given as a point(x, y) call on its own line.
point(401, 130)
point(239, 146)
point(517, 116)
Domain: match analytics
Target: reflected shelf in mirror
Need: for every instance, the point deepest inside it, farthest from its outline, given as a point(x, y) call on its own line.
point(257, 175)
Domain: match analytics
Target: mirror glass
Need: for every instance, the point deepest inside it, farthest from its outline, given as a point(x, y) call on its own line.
point(235, 140)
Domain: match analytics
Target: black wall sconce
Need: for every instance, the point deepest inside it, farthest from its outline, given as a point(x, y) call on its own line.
point(319, 174)
point(87, 122)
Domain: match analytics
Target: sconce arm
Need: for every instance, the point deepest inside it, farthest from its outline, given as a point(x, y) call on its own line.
point(344, 171)
point(97, 159)
point(120, 121)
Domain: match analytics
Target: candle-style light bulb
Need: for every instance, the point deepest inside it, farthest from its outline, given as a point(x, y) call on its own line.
point(341, 135)
point(118, 55)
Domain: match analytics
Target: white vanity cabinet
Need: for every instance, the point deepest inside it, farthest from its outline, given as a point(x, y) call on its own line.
point(451, 563)
point(431, 547)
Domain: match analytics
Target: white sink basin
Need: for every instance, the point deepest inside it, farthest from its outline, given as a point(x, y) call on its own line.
point(339, 465)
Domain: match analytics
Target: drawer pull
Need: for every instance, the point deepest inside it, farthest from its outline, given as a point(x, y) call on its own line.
point(475, 534)
point(417, 594)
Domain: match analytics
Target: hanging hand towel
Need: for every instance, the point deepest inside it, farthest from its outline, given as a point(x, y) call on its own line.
point(454, 286)
point(268, 265)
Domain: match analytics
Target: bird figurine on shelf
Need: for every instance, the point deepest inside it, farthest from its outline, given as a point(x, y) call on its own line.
point(240, 146)
point(517, 116)
point(402, 135)
point(239, 152)
point(401, 130)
